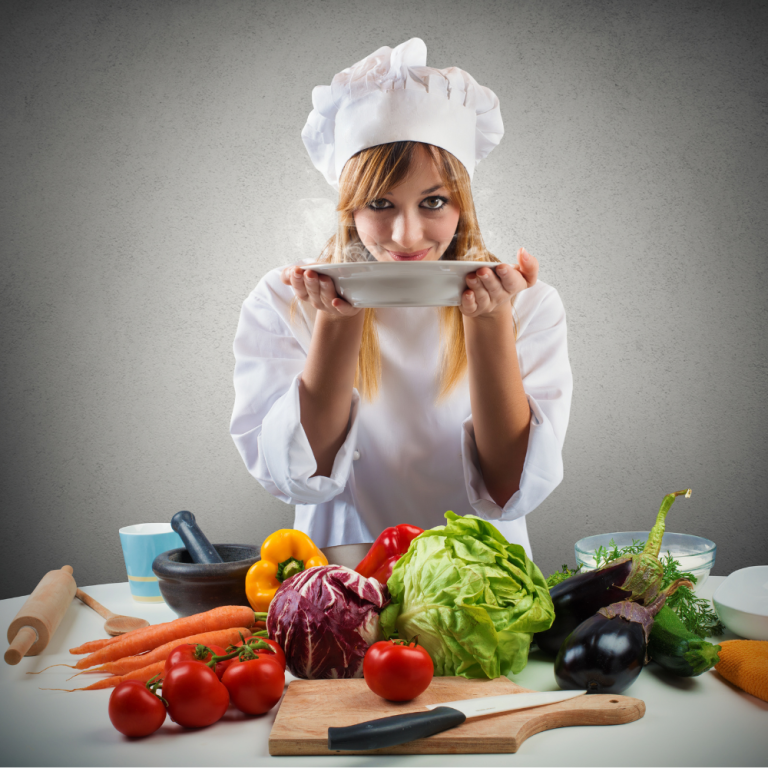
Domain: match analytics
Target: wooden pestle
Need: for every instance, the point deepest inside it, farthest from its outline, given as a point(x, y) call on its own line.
point(34, 625)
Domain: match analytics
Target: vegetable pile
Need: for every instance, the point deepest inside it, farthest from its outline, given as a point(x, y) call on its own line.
point(198, 683)
point(198, 676)
point(607, 651)
point(473, 599)
point(611, 621)
point(455, 600)
point(635, 577)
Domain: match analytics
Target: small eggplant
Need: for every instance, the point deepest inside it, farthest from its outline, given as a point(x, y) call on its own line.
point(632, 577)
point(607, 652)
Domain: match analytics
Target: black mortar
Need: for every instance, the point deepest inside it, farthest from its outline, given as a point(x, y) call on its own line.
point(190, 587)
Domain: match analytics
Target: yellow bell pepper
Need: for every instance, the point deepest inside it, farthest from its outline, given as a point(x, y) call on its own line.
point(283, 554)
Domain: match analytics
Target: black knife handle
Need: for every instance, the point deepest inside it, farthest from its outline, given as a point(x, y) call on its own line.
point(398, 729)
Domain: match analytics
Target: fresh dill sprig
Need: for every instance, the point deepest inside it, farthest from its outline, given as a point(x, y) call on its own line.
point(696, 613)
point(561, 575)
point(604, 555)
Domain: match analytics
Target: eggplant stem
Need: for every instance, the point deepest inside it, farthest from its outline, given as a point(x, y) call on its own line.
point(661, 598)
point(653, 545)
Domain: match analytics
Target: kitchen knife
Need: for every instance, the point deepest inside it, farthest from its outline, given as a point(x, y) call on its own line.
point(399, 729)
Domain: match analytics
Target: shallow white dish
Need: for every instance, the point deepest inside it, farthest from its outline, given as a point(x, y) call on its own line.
point(695, 554)
point(401, 284)
point(741, 602)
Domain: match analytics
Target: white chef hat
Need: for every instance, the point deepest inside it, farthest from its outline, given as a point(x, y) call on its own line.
point(392, 95)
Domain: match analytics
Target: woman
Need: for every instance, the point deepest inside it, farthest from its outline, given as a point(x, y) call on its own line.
point(369, 418)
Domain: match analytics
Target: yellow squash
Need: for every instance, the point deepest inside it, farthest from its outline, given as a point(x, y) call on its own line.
point(283, 554)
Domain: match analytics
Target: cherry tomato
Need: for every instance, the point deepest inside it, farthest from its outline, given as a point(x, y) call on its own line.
point(255, 685)
point(396, 670)
point(195, 696)
point(134, 710)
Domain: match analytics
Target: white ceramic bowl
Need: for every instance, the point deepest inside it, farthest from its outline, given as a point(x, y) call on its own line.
point(695, 554)
point(741, 602)
point(401, 284)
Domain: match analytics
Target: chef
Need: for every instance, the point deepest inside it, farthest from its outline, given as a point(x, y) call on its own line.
point(368, 418)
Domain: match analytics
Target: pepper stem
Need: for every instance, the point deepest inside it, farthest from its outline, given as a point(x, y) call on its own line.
point(288, 568)
point(653, 545)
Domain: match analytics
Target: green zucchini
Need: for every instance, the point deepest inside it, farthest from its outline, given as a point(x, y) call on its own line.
point(677, 650)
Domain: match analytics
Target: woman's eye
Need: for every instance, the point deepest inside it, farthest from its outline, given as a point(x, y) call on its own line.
point(436, 203)
point(379, 205)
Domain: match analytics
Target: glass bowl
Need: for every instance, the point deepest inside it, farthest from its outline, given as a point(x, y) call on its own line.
point(695, 554)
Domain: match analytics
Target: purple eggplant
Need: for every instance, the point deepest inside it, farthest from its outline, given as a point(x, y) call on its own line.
point(607, 652)
point(632, 577)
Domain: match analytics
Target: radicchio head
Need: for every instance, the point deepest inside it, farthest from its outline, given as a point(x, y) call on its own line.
point(325, 618)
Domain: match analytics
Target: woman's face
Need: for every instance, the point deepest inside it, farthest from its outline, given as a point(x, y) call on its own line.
point(414, 221)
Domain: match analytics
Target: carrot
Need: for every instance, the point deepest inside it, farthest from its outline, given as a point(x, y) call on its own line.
point(745, 664)
point(149, 638)
point(97, 645)
point(142, 675)
point(223, 637)
point(94, 645)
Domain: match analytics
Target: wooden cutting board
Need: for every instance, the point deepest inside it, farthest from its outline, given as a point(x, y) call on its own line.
point(310, 707)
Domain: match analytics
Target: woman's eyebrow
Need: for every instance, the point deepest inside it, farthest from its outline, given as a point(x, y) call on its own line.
point(426, 191)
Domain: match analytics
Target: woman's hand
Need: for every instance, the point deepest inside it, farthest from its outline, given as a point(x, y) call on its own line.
point(318, 290)
point(489, 291)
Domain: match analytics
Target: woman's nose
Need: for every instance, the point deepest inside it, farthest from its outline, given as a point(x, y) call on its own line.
point(406, 229)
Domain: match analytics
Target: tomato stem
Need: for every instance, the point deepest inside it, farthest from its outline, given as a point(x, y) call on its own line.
point(153, 684)
point(246, 651)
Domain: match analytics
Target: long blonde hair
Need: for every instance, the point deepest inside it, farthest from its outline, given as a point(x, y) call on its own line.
point(367, 176)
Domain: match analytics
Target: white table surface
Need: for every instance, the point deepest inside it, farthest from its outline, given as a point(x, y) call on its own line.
point(689, 721)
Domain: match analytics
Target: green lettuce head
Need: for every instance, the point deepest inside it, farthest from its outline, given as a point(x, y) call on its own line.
point(473, 599)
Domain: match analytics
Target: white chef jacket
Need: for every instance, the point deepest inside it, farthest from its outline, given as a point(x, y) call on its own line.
point(406, 458)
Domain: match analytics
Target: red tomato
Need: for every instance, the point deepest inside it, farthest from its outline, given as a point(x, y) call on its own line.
point(195, 695)
point(276, 653)
point(218, 651)
point(255, 685)
point(276, 650)
point(188, 652)
point(134, 710)
point(396, 670)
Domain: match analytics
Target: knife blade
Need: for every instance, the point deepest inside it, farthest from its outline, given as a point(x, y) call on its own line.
point(399, 729)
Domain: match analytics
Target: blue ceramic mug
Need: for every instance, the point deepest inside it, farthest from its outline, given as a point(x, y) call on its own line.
point(141, 545)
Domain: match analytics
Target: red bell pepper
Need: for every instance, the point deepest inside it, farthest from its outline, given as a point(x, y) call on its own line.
point(391, 545)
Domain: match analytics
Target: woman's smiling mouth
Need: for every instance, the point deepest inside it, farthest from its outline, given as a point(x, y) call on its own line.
point(416, 256)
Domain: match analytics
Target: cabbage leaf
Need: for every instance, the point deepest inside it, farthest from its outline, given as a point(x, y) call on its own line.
point(473, 599)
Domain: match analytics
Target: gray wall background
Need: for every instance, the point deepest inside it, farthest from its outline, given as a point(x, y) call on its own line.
point(153, 171)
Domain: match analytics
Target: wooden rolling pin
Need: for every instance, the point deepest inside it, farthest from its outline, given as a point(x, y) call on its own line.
point(38, 618)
